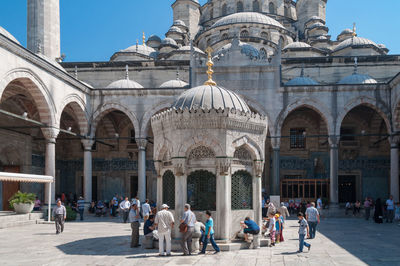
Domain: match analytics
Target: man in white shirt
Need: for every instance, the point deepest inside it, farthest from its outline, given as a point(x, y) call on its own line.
point(59, 215)
point(165, 222)
point(138, 206)
point(319, 205)
point(390, 210)
point(189, 218)
point(125, 207)
point(146, 210)
point(312, 216)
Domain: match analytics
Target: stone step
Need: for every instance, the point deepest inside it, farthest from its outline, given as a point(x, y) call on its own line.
point(5, 225)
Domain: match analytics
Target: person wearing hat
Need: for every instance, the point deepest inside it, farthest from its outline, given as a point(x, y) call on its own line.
point(165, 222)
point(134, 219)
point(81, 207)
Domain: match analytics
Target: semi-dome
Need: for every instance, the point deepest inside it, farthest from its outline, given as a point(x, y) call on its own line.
point(124, 84)
point(356, 78)
point(247, 17)
point(245, 48)
point(355, 42)
point(210, 97)
point(175, 83)
point(4, 32)
point(297, 45)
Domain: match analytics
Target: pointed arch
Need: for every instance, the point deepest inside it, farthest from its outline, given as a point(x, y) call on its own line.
point(146, 119)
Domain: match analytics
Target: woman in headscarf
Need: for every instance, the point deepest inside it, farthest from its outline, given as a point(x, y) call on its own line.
point(378, 214)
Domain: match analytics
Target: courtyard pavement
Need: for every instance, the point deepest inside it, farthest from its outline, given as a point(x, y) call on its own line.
point(104, 241)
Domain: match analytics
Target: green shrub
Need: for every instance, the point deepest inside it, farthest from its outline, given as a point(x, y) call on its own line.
point(71, 214)
point(21, 197)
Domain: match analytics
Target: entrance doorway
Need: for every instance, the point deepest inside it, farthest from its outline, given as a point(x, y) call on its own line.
point(134, 186)
point(347, 188)
point(9, 188)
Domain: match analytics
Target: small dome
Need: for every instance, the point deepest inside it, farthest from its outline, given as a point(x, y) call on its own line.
point(355, 42)
point(169, 41)
point(124, 84)
point(245, 48)
point(175, 83)
point(175, 29)
point(154, 38)
point(357, 79)
point(140, 49)
point(301, 81)
point(187, 48)
point(247, 17)
point(346, 31)
point(297, 45)
point(316, 25)
point(210, 97)
point(4, 32)
point(179, 22)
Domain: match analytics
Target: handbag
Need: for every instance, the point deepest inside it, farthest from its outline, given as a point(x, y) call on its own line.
point(183, 228)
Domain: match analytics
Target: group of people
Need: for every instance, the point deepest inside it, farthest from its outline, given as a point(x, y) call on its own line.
point(293, 207)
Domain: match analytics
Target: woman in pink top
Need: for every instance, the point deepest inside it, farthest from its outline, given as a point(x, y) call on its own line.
point(37, 205)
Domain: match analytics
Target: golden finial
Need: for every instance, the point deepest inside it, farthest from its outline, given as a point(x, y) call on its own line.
point(144, 39)
point(354, 30)
point(210, 64)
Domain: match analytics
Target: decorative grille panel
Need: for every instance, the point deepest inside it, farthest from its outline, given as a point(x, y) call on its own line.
point(169, 189)
point(201, 152)
point(201, 190)
point(242, 191)
point(242, 156)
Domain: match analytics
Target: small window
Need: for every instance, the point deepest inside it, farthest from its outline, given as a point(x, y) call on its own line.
point(211, 13)
point(347, 134)
point(239, 6)
point(244, 34)
point(132, 140)
point(256, 6)
point(225, 36)
point(264, 35)
point(224, 10)
point(272, 9)
point(297, 138)
point(287, 14)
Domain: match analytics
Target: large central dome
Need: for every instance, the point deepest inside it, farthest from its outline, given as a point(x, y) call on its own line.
point(247, 17)
point(210, 97)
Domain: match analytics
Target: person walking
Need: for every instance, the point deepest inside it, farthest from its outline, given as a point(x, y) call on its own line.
point(81, 207)
point(367, 208)
point(303, 232)
point(125, 207)
point(165, 222)
point(209, 235)
point(389, 210)
point(59, 215)
point(357, 208)
point(319, 206)
point(187, 228)
point(313, 220)
point(146, 209)
point(271, 228)
point(283, 211)
point(134, 219)
point(378, 213)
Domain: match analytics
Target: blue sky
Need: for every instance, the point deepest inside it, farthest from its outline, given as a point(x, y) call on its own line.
point(92, 30)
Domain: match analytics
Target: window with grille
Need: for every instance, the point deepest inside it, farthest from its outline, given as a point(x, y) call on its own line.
point(256, 6)
point(201, 190)
point(244, 34)
point(239, 6)
point(264, 35)
point(224, 10)
point(293, 187)
point(169, 189)
point(241, 191)
point(297, 138)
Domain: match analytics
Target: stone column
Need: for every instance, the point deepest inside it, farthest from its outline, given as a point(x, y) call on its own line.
point(223, 198)
point(334, 168)
point(158, 166)
point(142, 169)
point(180, 193)
point(87, 169)
point(394, 168)
point(275, 142)
point(50, 135)
point(257, 193)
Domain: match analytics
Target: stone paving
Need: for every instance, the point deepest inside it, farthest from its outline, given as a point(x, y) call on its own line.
point(103, 241)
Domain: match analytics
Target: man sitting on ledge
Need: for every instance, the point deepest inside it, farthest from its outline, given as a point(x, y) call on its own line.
point(250, 227)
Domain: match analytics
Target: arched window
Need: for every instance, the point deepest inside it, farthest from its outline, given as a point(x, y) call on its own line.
point(256, 6)
point(244, 34)
point(282, 41)
point(225, 36)
point(201, 190)
point(224, 10)
point(168, 182)
point(287, 13)
point(272, 8)
point(264, 35)
point(241, 191)
point(239, 6)
point(211, 13)
point(263, 53)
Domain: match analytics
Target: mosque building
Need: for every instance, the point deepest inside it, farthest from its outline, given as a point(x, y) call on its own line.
point(290, 111)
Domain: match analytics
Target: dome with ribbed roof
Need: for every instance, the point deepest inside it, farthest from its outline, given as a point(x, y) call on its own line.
point(169, 41)
point(355, 42)
point(247, 17)
point(210, 97)
point(175, 83)
point(154, 38)
point(124, 84)
point(356, 78)
point(297, 45)
point(140, 49)
point(4, 32)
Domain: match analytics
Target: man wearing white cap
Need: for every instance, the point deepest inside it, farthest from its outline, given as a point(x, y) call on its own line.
point(165, 222)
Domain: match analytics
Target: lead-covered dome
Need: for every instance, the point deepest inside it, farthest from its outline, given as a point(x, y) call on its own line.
point(297, 45)
point(210, 97)
point(357, 79)
point(355, 42)
point(175, 83)
point(4, 32)
point(247, 17)
point(124, 84)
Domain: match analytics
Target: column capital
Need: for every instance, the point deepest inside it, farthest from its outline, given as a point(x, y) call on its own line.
point(224, 166)
point(394, 141)
point(87, 144)
point(142, 143)
point(275, 142)
point(50, 134)
point(179, 165)
point(258, 168)
point(333, 141)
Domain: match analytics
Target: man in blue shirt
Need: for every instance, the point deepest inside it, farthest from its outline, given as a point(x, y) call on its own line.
point(149, 226)
point(209, 234)
point(250, 227)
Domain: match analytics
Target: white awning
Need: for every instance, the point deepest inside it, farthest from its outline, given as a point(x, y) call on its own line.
point(17, 177)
